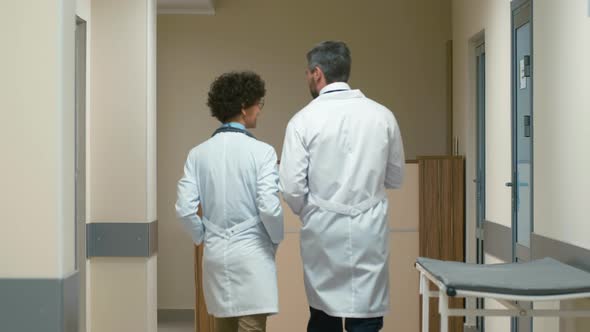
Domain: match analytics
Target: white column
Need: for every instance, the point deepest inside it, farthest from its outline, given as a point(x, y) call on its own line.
point(122, 158)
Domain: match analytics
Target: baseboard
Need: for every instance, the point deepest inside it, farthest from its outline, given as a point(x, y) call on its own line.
point(469, 328)
point(176, 315)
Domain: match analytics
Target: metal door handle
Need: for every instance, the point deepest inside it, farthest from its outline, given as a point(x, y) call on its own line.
point(508, 184)
point(527, 125)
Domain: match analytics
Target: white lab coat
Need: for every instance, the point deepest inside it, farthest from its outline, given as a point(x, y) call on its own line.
point(235, 179)
point(340, 154)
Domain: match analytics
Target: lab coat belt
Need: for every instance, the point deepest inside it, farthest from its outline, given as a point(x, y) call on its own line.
point(349, 210)
point(228, 233)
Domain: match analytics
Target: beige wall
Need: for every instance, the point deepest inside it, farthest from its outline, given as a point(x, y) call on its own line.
point(473, 20)
point(37, 139)
point(575, 324)
point(546, 324)
point(495, 324)
point(398, 51)
point(83, 9)
point(561, 111)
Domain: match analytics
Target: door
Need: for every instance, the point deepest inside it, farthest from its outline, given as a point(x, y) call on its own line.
point(522, 139)
point(480, 180)
point(80, 168)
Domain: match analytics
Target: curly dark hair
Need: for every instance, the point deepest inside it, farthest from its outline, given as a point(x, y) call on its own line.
point(232, 91)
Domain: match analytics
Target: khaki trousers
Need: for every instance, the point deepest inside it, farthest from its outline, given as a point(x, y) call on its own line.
point(251, 323)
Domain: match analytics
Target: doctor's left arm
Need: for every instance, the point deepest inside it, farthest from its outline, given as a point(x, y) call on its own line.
point(187, 203)
point(293, 170)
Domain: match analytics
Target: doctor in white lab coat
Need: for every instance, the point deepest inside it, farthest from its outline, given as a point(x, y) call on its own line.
point(235, 179)
point(340, 154)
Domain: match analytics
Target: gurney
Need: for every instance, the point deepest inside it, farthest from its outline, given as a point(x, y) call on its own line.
point(536, 281)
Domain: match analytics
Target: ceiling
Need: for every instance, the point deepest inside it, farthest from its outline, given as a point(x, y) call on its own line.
point(205, 7)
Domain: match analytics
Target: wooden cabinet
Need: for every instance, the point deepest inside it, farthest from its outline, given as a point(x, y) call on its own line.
point(442, 220)
point(203, 321)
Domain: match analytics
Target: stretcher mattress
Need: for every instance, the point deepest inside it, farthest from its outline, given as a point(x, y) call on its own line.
point(543, 277)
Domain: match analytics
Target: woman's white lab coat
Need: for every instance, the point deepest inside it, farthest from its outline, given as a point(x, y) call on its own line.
point(340, 154)
point(235, 179)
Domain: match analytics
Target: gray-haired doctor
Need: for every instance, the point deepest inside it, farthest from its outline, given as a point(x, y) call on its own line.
point(341, 152)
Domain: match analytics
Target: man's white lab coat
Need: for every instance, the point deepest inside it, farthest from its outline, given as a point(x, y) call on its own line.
point(340, 154)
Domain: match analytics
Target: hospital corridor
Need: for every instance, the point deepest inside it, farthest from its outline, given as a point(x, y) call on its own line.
point(291, 166)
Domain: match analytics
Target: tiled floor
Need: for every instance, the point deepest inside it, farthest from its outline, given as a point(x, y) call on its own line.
point(176, 327)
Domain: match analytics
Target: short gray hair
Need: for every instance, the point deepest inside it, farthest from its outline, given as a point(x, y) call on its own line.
point(333, 58)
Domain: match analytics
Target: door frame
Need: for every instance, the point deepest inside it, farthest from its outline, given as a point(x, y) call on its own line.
point(480, 165)
point(518, 251)
point(521, 14)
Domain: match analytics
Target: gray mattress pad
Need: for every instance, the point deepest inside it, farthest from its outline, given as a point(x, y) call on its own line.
point(542, 277)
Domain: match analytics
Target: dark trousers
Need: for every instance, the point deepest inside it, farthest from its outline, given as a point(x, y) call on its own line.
point(319, 321)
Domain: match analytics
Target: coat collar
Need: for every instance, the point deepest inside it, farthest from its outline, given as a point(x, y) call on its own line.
point(334, 86)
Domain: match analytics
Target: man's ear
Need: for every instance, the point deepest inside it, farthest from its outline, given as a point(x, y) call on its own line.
point(317, 74)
